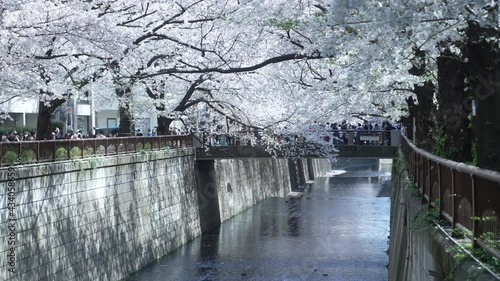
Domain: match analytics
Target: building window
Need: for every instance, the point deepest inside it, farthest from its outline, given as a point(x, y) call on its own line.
point(111, 123)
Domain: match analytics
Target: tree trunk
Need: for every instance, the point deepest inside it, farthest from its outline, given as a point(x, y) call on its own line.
point(487, 129)
point(484, 73)
point(126, 126)
point(453, 135)
point(43, 124)
point(424, 108)
point(164, 125)
point(424, 111)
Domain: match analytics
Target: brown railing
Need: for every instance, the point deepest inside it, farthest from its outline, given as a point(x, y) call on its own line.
point(56, 150)
point(337, 137)
point(466, 196)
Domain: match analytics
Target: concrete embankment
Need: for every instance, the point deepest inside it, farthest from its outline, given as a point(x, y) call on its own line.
point(419, 250)
point(102, 218)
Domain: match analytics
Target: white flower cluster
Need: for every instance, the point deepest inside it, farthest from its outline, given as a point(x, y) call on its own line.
point(259, 62)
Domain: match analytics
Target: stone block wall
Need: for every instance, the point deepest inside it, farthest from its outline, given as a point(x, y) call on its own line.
point(243, 182)
point(100, 218)
point(318, 166)
point(321, 167)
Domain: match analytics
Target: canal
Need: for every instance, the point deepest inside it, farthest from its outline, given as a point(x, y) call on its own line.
point(338, 230)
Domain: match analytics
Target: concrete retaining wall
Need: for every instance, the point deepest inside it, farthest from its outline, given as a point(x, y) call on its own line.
point(315, 167)
point(243, 183)
point(103, 218)
point(99, 219)
point(418, 250)
point(320, 167)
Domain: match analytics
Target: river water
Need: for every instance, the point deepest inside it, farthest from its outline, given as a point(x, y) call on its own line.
point(338, 230)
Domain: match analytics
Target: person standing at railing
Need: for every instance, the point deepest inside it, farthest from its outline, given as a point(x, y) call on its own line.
point(357, 134)
point(386, 125)
point(58, 133)
point(13, 137)
point(31, 136)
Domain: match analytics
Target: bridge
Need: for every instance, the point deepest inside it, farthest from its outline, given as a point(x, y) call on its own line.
point(310, 151)
point(342, 143)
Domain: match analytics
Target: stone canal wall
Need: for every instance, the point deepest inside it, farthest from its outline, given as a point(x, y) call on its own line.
point(99, 219)
point(420, 251)
point(103, 218)
point(319, 166)
point(241, 183)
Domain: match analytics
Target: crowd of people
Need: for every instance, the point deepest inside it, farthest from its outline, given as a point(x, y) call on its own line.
point(367, 132)
point(344, 125)
point(334, 133)
point(13, 136)
point(57, 134)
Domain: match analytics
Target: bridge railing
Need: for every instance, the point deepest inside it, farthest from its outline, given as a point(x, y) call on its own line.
point(466, 196)
point(55, 150)
point(336, 137)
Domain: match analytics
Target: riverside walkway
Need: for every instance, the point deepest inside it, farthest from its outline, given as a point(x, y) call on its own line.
point(380, 144)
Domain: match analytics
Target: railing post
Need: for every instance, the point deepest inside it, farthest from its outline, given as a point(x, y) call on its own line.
point(453, 196)
point(69, 148)
point(350, 138)
point(414, 166)
point(20, 151)
point(439, 207)
point(54, 150)
point(417, 171)
point(426, 183)
point(475, 215)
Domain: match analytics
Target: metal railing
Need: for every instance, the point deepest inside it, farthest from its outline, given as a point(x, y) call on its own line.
point(466, 196)
point(55, 150)
point(337, 137)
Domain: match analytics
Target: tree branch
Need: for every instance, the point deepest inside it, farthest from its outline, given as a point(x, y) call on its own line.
point(9, 99)
point(264, 63)
point(51, 57)
point(189, 94)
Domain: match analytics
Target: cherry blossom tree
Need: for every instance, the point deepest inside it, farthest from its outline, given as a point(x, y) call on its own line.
point(266, 64)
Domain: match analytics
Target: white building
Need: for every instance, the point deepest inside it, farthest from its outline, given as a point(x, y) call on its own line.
point(87, 113)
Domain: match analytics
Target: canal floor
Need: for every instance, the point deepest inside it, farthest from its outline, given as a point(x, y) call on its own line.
point(338, 230)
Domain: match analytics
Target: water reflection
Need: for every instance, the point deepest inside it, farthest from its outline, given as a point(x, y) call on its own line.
point(336, 231)
point(270, 225)
point(209, 255)
point(294, 215)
